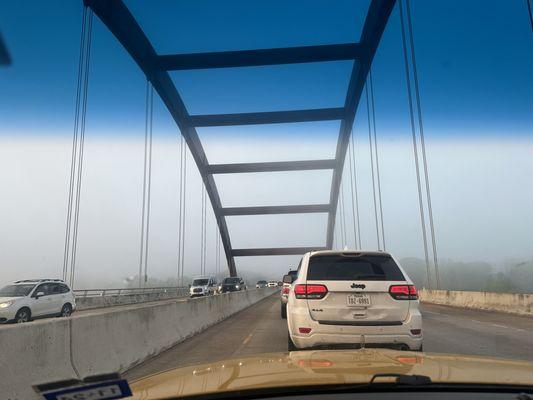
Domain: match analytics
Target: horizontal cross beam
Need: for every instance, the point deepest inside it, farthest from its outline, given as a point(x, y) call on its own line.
point(267, 117)
point(275, 166)
point(274, 251)
point(259, 57)
point(292, 209)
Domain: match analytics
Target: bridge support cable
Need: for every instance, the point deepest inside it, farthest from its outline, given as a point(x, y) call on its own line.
point(78, 142)
point(202, 232)
point(415, 146)
point(343, 217)
point(530, 12)
point(184, 214)
point(354, 192)
point(146, 187)
point(180, 211)
point(422, 143)
point(371, 147)
point(376, 158)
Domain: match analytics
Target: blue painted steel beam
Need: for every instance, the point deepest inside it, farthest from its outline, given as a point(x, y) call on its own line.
point(259, 57)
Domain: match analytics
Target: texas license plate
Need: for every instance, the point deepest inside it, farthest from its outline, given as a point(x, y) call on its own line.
point(358, 300)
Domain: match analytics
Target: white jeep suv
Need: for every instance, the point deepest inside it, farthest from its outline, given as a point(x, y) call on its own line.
point(353, 298)
point(25, 300)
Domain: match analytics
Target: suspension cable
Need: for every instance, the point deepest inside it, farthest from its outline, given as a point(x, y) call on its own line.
point(355, 197)
point(180, 203)
point(149, 194)
point(184, 225)
point(530, 12)
point(380, 202)
point(205, 230)
point(81, 145)
point(66, 251)
point(202, 236)
point(415, 149)
point(422, 144)
point(147, 186)
point(372, 168)
point(343, 217)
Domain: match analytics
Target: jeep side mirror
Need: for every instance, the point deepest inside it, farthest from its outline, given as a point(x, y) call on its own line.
point(287, 278)
point(39, 294)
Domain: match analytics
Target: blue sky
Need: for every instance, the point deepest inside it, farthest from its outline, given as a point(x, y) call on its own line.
point(475, 61)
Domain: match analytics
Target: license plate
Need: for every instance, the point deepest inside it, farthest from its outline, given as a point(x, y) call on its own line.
point(110, 390)
point(358, 300)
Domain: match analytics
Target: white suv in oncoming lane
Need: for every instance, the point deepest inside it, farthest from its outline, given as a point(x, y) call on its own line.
point(25, 300)
point(353, 298)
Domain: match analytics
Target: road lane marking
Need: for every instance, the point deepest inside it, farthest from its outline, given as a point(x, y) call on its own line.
point(501, 326)
point(247, 339)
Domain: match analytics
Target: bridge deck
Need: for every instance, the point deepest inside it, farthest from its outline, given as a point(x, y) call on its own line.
point(259, 329)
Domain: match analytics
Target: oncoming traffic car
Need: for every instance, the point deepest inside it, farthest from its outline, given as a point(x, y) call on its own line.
point(272, 283)
point(232, 284)
point(30, 299)
point(353, 298)
point(260, 284)
point(203, 286)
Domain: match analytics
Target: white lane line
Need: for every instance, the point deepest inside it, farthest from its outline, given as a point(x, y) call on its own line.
point(247, 339)
point(502, 326)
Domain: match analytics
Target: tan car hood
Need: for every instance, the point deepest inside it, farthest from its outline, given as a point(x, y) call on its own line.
point(325, 367)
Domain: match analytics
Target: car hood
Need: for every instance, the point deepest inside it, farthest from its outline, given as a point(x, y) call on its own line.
point(328, 367)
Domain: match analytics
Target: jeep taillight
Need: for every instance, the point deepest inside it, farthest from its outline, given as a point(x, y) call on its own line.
point(403, 292)
point(312, 292)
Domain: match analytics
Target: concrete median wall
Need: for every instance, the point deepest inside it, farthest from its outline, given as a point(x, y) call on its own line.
point(505, 302)
point(88, 303)
point(104, 341)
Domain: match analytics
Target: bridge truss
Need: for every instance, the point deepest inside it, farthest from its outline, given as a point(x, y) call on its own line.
point(122, 24)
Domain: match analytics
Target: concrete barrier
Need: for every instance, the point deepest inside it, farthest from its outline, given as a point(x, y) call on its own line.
point(88, 303)
point(106, 341)
point(505, 302)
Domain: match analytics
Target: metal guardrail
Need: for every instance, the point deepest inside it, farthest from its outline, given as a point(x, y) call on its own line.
point(84, 293)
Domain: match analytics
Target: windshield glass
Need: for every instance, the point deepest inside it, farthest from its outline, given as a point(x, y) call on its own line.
point(16, 290)
point(346, 268)
point(159, 157)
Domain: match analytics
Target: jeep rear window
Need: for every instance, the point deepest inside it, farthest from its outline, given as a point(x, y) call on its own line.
point(353, 268)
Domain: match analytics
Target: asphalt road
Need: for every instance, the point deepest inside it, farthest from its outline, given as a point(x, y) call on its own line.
point(259, 329)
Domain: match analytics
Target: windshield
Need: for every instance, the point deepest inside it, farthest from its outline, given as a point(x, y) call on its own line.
point(347, 268)
point(159, 157)
point(16, 290)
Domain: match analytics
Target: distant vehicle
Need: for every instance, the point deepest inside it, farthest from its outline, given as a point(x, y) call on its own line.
point(260, 284)
point(285, 293)
point(272, 283)
point(30, 299)
point(203, 286)
point(232, 284)
point(352, 298)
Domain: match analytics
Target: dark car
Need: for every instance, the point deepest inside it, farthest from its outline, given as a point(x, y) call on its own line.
point(232, 284)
